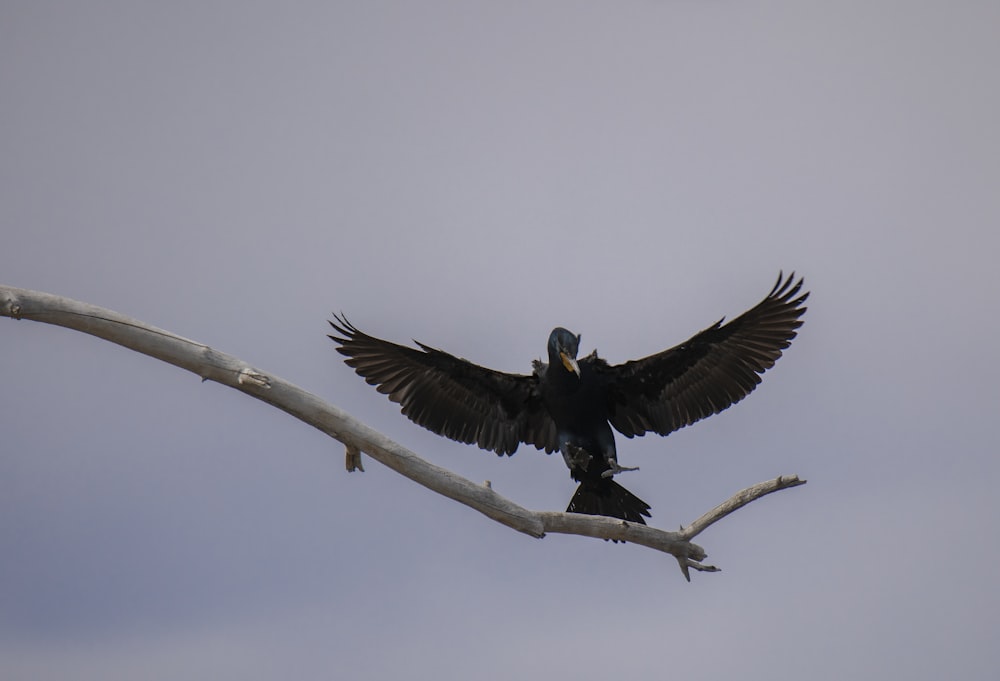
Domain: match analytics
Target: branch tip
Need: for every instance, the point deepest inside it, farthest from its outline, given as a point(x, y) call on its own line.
point(352, 459)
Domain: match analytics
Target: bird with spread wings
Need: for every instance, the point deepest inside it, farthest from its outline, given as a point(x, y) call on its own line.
point(571, 404)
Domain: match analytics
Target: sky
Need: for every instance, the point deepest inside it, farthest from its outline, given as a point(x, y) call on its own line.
point(472, 174)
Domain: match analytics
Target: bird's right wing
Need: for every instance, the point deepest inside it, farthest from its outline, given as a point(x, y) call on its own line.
point(451, 396)
point(709, 372)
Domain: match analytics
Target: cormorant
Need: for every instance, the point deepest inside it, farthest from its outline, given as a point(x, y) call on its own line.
point(570, 405)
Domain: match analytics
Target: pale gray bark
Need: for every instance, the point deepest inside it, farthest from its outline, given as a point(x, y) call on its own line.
point(216, 366)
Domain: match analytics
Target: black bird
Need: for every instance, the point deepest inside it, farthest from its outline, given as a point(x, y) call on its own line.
point(570, 405)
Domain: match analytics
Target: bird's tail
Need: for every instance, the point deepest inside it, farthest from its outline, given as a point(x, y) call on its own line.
point(607, 497)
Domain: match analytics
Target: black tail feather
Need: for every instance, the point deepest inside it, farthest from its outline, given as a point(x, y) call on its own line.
point(607, 497)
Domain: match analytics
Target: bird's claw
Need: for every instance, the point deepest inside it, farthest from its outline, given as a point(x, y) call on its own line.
point(615, 469)
point(576, 457)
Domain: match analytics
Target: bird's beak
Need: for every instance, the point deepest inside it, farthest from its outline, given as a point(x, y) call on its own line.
point(569, 363)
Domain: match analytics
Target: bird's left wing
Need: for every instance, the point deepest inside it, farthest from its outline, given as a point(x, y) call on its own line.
point(451, 396)
point(706, 374)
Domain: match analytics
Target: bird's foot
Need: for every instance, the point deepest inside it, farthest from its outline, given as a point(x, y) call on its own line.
point(616, 469)
point(576, 457)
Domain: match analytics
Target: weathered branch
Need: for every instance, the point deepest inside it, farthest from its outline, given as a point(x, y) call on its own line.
point(213, 365)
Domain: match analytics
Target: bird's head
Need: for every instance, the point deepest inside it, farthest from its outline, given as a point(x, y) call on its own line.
point(563, 346)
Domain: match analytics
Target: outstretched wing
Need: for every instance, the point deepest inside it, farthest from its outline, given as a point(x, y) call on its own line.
point(451, 396)
point(713, 370)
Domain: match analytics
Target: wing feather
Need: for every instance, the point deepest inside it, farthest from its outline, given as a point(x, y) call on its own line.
point(709, 372)
point(448, 395)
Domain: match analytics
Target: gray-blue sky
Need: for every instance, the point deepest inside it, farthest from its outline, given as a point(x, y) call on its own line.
point(471, 174)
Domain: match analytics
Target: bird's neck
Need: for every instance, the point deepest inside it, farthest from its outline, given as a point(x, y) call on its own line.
point(557, 373)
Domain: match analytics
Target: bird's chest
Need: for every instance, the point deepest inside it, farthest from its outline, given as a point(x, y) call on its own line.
point(575, 404)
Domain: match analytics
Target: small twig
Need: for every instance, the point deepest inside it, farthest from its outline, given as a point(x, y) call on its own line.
point(353, 459)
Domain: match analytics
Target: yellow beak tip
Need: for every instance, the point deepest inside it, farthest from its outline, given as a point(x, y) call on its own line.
point(570, 363)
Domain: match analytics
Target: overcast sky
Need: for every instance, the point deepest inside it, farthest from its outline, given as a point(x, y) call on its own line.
point(471, 174)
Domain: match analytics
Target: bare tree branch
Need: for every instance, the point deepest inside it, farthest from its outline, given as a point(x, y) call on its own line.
point(738, 501)
point(213, 365)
